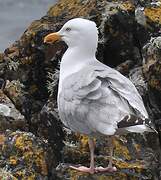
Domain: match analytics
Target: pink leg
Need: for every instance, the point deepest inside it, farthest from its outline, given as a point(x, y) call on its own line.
point(109, 168)
point(91, 169)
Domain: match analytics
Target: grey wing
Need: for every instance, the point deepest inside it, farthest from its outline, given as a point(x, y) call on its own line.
point(88, 104)
point(126, 89)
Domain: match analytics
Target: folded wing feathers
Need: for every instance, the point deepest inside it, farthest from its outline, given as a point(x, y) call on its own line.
point(87, 83)
point(129, 92)
point(125, 88)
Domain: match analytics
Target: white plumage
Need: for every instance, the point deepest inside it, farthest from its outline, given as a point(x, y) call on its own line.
point(92, 97)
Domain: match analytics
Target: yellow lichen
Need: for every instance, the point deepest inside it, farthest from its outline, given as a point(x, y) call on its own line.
point(155, 83)
point(32, 177)
point(22, 174)
point(127, 6)
point(28, 156)
point(72, 7)
point(19, 173)
point(137, 147)
point(23, 142)
point(62, 5)
point(125, 165)
point(19, 143)
point(84, 146)
point(13, 160)
point(75, 175)
point(32, 29)
point(28, 150)
point(153, 14)
point(2, 139)
point(84, 143)
point(40, 162)
point(121, 150)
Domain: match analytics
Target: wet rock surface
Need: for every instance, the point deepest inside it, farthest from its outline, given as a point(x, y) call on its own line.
point(129, 40)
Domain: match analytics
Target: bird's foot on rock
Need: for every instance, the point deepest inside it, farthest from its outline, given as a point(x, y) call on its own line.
point(84, 169)
point(110, 169)
point(100, 169)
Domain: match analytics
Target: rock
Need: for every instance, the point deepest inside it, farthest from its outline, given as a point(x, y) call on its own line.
point(137, 77)
point(24, 156)
point(136, 157)
point(10, 117)
point(129, 40)
point(152, 72)
point(51, 128)
point(5, 174)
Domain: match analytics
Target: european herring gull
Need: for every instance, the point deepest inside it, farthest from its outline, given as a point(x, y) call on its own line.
point(94, 99)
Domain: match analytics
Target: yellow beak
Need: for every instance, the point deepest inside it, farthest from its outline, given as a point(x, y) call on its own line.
point(52, 37)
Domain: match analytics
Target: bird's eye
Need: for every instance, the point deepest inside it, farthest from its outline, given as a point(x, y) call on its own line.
point(68, 29)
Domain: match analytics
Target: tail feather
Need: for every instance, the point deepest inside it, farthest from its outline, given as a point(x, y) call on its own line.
point(132, 123)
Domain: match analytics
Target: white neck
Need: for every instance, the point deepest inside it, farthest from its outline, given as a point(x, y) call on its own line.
point(74, 59)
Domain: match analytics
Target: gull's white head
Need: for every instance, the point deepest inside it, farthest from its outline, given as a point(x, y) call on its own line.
point(76, 32)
